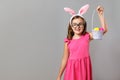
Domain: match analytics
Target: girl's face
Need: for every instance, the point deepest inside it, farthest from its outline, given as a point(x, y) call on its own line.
point(77, 26)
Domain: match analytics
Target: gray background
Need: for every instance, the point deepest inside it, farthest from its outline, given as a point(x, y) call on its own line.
point(32, 33)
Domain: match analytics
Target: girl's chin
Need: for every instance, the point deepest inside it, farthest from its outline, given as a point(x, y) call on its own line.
point(78, 33)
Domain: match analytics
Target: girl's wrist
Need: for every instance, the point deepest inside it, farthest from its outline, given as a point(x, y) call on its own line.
point(100, 15)
point(59, 75)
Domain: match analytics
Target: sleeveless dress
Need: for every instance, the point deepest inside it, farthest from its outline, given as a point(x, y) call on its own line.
point(79, 63)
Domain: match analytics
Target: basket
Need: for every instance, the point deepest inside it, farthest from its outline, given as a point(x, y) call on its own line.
point(96, 32)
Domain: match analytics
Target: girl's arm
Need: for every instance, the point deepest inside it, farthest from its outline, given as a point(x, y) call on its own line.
point(64, 61)
point(100, 11)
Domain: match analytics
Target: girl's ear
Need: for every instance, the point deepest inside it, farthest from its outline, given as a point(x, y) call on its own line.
point(83, 9)
point(70, 11)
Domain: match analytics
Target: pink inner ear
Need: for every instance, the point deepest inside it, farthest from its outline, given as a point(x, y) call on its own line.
point(70, 11)
point(83, 9)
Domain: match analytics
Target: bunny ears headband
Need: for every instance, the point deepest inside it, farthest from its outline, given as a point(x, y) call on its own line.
point(82, 11)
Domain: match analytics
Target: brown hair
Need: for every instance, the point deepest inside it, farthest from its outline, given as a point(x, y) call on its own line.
point(70, 31)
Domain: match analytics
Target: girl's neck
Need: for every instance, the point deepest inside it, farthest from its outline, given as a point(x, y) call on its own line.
point(76, 36)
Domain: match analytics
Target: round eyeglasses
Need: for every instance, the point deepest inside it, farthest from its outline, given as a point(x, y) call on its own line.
point(81, 25)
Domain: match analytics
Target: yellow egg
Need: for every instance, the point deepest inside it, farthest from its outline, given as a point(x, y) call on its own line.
point(96, 29)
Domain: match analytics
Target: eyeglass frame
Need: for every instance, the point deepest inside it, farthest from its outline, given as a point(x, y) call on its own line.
point(81, 25)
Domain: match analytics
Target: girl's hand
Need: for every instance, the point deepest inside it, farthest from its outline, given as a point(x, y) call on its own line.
point(100, 10)
point(58, 78)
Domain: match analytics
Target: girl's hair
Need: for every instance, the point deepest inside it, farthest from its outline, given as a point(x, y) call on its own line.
point(70, 31)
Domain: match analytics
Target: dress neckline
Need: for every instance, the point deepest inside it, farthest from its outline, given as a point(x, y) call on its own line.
point(78, 38)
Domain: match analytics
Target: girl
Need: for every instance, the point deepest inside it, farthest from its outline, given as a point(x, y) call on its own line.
point(76, 59)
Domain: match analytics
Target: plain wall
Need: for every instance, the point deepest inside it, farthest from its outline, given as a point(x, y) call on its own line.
point(32, 35)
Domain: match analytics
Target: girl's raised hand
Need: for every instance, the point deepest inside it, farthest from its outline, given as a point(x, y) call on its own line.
point(100, 10)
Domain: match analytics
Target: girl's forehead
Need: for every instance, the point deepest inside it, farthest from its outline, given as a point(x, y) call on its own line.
point(77, 20)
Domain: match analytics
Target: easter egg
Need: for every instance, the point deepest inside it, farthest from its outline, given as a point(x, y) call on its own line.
point(101, 29)
point(96, 29)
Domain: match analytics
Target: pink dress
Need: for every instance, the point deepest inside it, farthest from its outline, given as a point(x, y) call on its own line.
point(79, 64)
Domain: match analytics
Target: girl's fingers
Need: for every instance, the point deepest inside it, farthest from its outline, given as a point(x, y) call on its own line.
point(100, 9)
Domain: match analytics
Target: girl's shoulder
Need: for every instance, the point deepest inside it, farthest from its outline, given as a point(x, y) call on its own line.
point(87, 35)
point(66, 40)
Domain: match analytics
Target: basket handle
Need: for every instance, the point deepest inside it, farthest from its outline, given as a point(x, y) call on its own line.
point(92, 19)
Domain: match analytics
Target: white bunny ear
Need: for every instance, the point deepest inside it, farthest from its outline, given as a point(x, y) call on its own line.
point(70, 11)
point(83, 9)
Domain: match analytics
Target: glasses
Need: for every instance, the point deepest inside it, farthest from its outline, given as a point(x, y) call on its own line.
point(81, 25)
